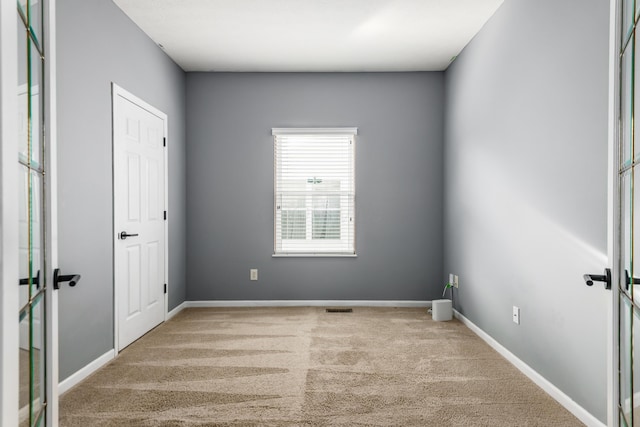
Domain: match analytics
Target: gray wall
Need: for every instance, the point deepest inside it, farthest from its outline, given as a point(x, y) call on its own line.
point(398, 182)
point(98, 44)
point(526, 187)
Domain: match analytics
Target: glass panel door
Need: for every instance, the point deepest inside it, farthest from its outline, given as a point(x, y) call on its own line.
point(33, 281)
point(628, 259)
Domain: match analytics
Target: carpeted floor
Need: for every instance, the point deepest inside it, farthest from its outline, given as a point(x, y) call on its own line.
point(306, 367)
point(24, 384)
point(23, 396)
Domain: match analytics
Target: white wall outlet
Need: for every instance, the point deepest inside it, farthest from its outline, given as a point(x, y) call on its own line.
point(516, 315)
point(455, 281)
point(254, 274)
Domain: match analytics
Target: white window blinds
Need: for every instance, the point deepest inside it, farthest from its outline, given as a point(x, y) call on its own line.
point(314, 203)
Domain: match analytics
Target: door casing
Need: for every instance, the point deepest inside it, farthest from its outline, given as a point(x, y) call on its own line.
point(612, 215)
point(51, 198)
point(613, 212)
point(9, 335)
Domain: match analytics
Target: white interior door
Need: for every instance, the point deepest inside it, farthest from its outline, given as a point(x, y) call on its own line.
point(139, 216)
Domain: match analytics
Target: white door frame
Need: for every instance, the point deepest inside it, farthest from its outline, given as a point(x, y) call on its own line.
point(9, 325)
point(51, 198)
point(613, 212)
point(9, 335)
point(116, 92)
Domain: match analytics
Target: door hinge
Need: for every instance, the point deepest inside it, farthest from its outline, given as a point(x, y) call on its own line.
point(165, 215)
point(165, 288)
point(164, 141)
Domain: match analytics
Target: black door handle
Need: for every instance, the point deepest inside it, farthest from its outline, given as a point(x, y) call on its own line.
point(34, 281)
point(627, 282)
point(606, 278)
point(124, 235)
point(73, 279)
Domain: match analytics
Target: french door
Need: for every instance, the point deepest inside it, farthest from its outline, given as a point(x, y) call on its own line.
point(28, 391)
point(627, 259)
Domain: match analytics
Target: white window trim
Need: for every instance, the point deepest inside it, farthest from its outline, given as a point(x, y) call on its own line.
point(313, 131)
point(313, 255)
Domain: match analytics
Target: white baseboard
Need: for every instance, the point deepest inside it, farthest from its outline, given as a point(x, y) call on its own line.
point(307, 303)
point(577, 410)
point(176, 310)
point(86, 371)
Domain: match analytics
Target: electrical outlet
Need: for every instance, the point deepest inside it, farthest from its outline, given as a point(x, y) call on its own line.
point(516, 315)
point(453, 280)
point(254, 274)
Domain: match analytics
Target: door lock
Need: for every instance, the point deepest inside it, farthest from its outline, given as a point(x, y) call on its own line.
point(124, 235)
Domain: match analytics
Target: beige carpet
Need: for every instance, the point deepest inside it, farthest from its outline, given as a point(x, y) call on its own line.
point(24, 384)
point(23, 397)
point(305, 367)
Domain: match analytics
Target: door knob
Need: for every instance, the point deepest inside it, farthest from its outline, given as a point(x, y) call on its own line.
point(606, 278)
point(124, 235)
point(58, 278)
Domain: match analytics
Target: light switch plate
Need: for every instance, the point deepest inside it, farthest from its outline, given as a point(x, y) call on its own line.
point(516, 315)
point(254, 274)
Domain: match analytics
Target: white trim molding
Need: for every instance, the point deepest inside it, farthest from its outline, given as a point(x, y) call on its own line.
point(49, 91)
point(314, 131)
point(83, 373)
point(176, 310)
point(553, 391)
point(9, 298)
point(306, 303)
point(311, 255)
point(613, 207)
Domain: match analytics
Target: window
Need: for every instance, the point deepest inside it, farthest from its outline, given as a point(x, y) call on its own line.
point(314, 197)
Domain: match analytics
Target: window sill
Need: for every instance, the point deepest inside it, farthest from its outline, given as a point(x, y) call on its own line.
point(303, 255)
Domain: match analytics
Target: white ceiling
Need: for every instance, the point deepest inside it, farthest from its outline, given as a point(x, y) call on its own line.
point(311, 35)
